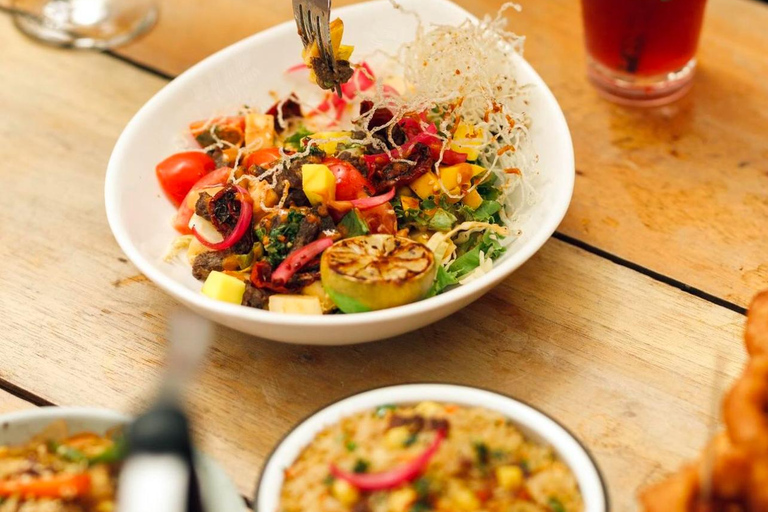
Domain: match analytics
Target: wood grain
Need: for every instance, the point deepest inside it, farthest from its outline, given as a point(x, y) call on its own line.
point(11, 403)
point(623, 360)
point(681, 190)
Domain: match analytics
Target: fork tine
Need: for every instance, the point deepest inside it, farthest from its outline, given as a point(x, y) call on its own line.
point(298, 15)
point(324, 41)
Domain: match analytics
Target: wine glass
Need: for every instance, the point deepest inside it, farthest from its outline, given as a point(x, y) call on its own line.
point(98, 24)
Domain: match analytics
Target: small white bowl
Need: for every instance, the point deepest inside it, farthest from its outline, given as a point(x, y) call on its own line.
point(218, 492)
point(244, 73)
point(532, 423)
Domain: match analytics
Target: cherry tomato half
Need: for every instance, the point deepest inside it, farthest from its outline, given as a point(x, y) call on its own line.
point(350, 184)
point(178, 173)
point(261, 157)
point(187, 208)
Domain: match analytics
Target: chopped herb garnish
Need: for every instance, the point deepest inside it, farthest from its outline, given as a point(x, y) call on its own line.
point(382, 410)
point(411, 440)
point(296, 139)
point(280, 238)
point(328, 480)
point(70, 454)
point(350, 446)
point(482, 453)
point(361, 466)
point(498, 454)
point(555, 505)
point(421, 486)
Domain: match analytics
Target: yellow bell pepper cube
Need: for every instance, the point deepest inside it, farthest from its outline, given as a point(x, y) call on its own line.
point(337, 32)
point(319, 183)
point(345, 52)
point(329, 147)
point(344, 492)
point(459, 175)
point(224, 287)
point(426, 185)
point(510, 478)
point(396, 437)
point(472, 199)
point(464, 499)
point(467, 139)
point(401, 499)
point(410, 203)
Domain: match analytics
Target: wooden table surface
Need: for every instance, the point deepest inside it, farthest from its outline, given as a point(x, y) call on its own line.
point(613, 328)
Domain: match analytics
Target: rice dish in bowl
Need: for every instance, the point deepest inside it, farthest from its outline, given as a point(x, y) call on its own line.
point(478, 460)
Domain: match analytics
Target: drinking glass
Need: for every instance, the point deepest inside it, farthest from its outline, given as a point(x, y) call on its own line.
point(97, 24)
point(642, 52)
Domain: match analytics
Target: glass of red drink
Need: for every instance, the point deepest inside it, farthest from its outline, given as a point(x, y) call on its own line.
point(642, 52)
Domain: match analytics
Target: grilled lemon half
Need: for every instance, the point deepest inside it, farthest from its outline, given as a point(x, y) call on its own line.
point(371, 272)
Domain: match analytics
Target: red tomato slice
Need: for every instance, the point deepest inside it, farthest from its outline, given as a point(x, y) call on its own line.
point(381, 220)
point(187, 209)
point(261, 157)
point(178, 173)
point(350, 184)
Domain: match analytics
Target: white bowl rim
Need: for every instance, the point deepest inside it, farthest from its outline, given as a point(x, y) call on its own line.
point(500, 270)
point(596, 477)
point(54, 412)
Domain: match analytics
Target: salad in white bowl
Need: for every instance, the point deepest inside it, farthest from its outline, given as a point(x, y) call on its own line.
point(440, 169)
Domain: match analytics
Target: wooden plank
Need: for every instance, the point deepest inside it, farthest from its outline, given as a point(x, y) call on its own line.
point(11, 403)
point(682, 190)
point(624, 361)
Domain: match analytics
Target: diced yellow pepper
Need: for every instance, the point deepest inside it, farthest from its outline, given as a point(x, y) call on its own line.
point(337, 32)
point(259, 131)
point(426, 185)
point(464, 499)
point(296, 304)
point(344, 492)
point(329, 147)
point(459, 175)
point(467, 139)
point(472, 199)
point(401, 499)
point(223, 287)
point(510, 478)
point(345, 52)
point(397, 436)
point(319, 183)
point(340, 51)
point(410, 203)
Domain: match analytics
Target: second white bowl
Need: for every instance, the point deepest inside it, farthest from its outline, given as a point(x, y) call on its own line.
point(534, 424)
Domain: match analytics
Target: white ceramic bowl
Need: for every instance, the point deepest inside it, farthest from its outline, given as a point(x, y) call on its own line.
point(244, 73)
point(218, 491)
point(534, 424)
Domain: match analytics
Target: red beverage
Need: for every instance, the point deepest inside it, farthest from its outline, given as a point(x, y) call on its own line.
point(642, 49)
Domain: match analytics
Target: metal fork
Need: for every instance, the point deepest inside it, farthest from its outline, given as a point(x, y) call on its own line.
point(313, 19)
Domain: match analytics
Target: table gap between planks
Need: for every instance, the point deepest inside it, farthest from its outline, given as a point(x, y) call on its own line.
point(623, 359)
